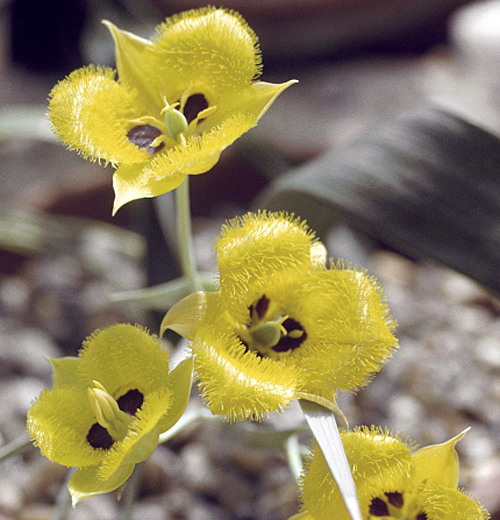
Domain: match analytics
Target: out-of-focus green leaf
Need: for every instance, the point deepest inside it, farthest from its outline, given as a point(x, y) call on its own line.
point(426, 184)
point(25, 122)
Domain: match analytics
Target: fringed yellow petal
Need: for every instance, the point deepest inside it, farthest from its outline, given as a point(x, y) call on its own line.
point(167, 170)
point(210, 49)
point(301, 516)
point(142, 438)
point(202, 151)
point(124, 357)
point(255, 249)
point(438, 463)
point(59, 421)
point(90, 112)
point(235, 383)
point(130, 183)
point(254, 99)
point(85, 482)
point(450, 504)
point(135, 63)
point(181, 380)
point(379, 463)
point(349, 331)
point(384, 468)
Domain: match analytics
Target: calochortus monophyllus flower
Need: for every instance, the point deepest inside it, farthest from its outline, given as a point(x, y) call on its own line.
point(394, 481)
point(283, 325)
point(108, 406)
point(179, 100)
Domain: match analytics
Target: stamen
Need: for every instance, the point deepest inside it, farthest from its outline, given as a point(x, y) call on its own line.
point(294, 337)
point(422, 516)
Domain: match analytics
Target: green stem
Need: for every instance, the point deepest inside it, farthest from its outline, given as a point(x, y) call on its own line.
point(63, 500)
point(132, 491)
point(187, 419)
point(185, 236)
point(19, 445)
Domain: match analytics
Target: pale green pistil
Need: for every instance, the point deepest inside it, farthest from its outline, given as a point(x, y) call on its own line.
point(175, 122)
point(107, 412)
point(267, 334)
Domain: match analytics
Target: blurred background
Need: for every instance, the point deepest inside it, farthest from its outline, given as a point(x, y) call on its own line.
point(360, 64)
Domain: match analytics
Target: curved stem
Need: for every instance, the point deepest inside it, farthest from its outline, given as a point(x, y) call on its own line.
point(63, 500)
point(132, 491)
point(294, 455)
point(21, 444)
point(185, 236)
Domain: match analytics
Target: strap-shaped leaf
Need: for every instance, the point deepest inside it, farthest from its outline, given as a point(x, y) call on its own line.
point(426, 183)
point(324, 428)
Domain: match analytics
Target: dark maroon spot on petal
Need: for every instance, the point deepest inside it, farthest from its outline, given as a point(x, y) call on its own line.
point(131, 401)
point(378, 507)
point(98, 437)
point(261, 306)
point(287, 342)
point(143, 135)
point(396, 499)
point(194, 105)
point(422, 516)
point(290, 324)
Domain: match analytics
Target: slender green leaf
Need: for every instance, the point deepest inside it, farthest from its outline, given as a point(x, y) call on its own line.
point(324, 428)
point(426, 184)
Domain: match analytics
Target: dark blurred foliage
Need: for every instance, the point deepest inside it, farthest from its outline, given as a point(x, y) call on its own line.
point(46, 34)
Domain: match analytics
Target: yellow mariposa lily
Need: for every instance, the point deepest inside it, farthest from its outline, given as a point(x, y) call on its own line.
point(393, 481)
point(108, 406)
point(283, 325)
point(180, 99)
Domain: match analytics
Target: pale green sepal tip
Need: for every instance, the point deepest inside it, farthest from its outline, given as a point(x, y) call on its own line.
point(326, 403)
point(186, 316)
point(132, 57)
point(181, 379)
point(85, 482)
point(143, 448)
point(64, 370)
point(438, 463)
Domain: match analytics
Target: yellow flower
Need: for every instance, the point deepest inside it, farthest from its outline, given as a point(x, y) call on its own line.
point(283, 325)
point(393, 481)
point(180, 99)
point(108, 406)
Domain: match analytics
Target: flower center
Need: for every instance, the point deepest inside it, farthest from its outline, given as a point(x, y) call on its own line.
point(392, 506)
point(270, 332)
point(113, 416)
point(179, 122)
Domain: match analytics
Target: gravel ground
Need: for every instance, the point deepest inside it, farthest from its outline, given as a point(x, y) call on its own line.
point(444, 378)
